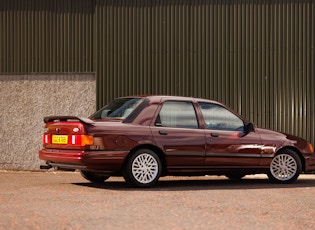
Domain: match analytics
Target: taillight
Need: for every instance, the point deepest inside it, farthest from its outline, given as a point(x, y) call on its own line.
point(74, 140)
point(46, 139)
point(80, 140)
point(311, 148)
point(87, 140)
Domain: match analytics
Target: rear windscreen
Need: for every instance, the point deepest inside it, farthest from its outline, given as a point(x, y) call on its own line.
point(119, 108)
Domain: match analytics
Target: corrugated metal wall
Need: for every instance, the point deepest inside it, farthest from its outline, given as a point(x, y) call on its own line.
point(256, 56)
point(46, 36)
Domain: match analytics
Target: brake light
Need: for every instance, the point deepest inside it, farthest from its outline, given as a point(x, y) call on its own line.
point(75, 140)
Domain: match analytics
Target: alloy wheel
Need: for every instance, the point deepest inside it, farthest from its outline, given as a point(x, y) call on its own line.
point(283, 167)
point(145, 168)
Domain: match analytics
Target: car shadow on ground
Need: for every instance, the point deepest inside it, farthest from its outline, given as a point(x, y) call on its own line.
point(204, 183)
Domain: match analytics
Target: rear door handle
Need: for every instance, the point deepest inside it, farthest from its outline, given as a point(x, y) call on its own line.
point(162, 132)
point(214, 134)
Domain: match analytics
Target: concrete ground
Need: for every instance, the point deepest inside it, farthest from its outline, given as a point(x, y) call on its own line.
point(64, 200)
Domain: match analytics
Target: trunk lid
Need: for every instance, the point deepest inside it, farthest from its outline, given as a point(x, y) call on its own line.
point(66, 132)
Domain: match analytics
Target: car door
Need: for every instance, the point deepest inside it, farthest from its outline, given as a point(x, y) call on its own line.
point(227, 143)
point(176, 131)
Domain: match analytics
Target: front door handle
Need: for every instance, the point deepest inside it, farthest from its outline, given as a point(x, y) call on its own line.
point(214, 134)
point(162, 132)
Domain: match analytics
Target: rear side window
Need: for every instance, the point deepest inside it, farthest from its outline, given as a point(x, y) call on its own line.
point(219, 118)
point(179, 114)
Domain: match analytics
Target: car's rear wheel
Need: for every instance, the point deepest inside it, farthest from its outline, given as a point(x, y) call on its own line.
point(93, 177)
point(143, 168)
point(285, 167)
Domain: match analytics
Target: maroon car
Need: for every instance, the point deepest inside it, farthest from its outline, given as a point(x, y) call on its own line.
point(142, 138)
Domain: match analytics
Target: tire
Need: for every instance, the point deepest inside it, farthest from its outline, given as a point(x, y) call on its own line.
point(143, 168)
point(93, 177)
point(235, 176)
point(285, 167)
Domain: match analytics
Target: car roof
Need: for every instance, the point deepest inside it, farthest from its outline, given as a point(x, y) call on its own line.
point(149, 96)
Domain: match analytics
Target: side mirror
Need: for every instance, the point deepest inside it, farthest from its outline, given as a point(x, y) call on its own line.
point(248, 127)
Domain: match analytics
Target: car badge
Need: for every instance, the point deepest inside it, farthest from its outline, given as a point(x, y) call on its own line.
point(57, 130)
point(75, 130)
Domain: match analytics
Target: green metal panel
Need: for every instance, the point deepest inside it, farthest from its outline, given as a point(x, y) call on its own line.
point(256, 56)
point(46, 36)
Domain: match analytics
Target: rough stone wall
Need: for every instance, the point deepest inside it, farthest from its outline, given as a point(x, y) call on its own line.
point(25, 100)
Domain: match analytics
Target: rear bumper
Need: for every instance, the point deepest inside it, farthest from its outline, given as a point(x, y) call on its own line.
point(109, 161)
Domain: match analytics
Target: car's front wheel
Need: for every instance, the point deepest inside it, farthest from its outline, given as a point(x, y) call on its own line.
point(285, 167)
point(93, 177)
point(143, 168)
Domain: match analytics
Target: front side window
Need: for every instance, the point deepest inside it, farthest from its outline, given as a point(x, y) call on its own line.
point(119, 108)
point(219, 118)
point(179, 114)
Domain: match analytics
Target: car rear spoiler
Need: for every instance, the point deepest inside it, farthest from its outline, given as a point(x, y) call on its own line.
point(68, 118)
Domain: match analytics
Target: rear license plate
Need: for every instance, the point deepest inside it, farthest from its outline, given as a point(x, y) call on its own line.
point(60, 139)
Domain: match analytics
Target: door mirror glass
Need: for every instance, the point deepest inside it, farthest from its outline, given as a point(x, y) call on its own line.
point(248, 127)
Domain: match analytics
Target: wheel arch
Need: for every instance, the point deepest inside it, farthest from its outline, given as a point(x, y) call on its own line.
point(292, 148)
point(153, 148)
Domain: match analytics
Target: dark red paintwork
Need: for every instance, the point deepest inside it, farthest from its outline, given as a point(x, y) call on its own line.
point(182, 151)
